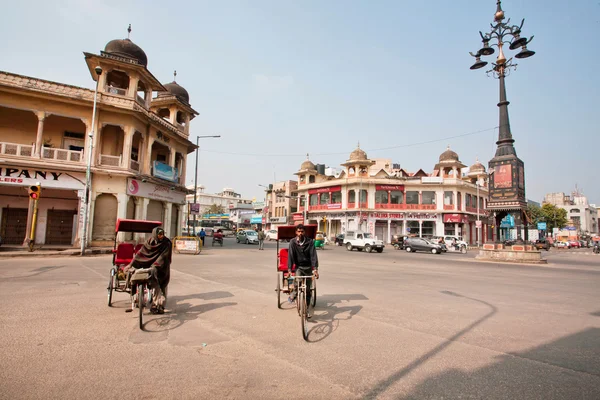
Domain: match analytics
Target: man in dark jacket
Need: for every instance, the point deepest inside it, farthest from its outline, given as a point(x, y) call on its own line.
point(303, 255)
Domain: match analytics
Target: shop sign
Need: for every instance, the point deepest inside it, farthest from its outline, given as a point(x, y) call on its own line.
point(297, 217)
point(258, 205)
point(456, 218)
point(256, 220)
point(326, 189)
point(542, 226)
point(388, 215)
point(164, 171)
point(390, 187)
point(194, 208)
point(278, 220)
point(336, 206)
point(153, 191)
point(478, 224)
point(48, 179)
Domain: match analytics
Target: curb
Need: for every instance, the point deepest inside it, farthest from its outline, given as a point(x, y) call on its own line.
point(48, 253)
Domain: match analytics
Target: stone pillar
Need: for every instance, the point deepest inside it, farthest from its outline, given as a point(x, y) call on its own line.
point(182, 172)
point(456, 233)
point(102, 81)
point(173, 115)
point(129, 131)
point(122, 200)
point(389, 235)
point(133, 85)
point(420, 228)
point(454, 172)
point(141, 212)
point(167, 218)
point(148, 98)
point(96, 142)
point(41, 115)
point(172, 157)
point(146, 168)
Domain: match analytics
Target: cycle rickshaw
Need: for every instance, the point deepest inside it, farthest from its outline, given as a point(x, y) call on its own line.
point(285, 283)
point(137, 284)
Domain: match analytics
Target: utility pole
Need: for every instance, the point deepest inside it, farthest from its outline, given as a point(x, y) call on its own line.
point(196, 175)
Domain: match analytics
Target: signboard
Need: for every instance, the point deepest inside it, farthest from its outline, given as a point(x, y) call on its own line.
point(390, 188)
point(456, 218)
point(256, 220)
point(164, 171)
point(542, 226)
point(336, 206)
point(278, 220)
point(216, 216)
point(187, 244)
point(503, 176)
point(507, 222)
point(297, 217)
point(478, 224)
point(19, 176)
point(153, 191)
point(258, 205)
point(432, 179)
point(194, 208)
point(326, 189)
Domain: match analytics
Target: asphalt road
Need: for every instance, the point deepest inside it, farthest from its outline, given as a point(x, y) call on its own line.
point(391, 325)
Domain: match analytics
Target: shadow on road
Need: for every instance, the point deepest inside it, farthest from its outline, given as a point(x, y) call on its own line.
point(385, 384)
point(328, 322)
point(569, 369)
point(182, 311)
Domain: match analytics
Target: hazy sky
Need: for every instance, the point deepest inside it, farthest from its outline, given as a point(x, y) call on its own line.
point(279, 79)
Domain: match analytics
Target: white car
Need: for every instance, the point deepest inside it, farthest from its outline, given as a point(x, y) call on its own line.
point(362, 241)
point(247, 237)
point(271, 235)
point(459, 240)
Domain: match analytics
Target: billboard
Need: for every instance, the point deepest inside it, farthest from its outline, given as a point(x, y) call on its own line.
point(503, 176)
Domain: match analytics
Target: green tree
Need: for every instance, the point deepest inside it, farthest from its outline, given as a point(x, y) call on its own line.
point(534, 215)
point(215, 209)
point(554, 216)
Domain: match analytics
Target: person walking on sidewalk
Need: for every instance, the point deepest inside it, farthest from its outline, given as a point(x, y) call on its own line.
point(202, 235)
point(261, 239)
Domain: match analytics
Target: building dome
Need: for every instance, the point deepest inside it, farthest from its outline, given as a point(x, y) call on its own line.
point(358, 154)
point(477, 168)
point(126, 48)
point(449, 155)
point(178, 90)
point(307, 164)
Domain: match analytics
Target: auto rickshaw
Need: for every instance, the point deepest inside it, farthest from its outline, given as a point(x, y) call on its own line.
point(319, 240)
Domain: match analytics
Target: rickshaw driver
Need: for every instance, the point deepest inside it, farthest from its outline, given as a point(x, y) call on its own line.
point(303, 254)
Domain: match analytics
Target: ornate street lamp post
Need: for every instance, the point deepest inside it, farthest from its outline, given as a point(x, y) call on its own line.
point(507, 175)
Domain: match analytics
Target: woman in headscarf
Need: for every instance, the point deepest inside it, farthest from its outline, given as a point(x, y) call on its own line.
point(156, 255)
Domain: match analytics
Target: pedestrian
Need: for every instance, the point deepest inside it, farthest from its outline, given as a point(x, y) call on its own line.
point(202, 235)
point(261, 239)
point(302, 254)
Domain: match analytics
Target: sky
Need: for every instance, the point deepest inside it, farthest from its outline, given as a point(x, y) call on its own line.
point(280, 79)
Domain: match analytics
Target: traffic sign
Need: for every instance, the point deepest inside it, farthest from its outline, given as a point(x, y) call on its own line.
point(542, 226)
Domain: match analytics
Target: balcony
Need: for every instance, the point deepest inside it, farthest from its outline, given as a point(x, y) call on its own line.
point(15, 149)
point(301, 208)
point(50, 153)
point(110, 161)
point(351, 205)
point(318, 207)
point(116, 90)
point(134, 165)
point(448, 207)
point(406, 206)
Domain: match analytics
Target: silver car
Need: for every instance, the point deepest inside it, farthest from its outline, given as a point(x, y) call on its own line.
point(247, 237)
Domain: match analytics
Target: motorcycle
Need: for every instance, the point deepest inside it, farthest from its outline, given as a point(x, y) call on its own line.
point(457, 247)
point(596, 249)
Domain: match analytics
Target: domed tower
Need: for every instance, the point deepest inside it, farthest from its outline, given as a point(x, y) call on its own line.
point(124, 71)
point(476, 171)
point(449, 165)
point(358, 163)
point(307, 172)
point(173, 105)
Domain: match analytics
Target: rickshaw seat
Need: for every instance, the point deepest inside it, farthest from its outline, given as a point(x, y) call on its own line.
point(124, 253)
point(137, 248)
point(283, 260)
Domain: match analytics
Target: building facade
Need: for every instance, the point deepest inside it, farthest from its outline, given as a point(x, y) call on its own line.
point(139, 149)
point(282, 203)
point(582, 216)
point(377, 196)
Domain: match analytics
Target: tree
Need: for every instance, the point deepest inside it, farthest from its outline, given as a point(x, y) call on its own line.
point(555, 217)
point(215, 209)
point(534, 215)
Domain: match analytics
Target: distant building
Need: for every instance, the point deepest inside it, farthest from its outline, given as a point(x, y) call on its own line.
point(228, 199)
point(282, 202)
point(580, 214)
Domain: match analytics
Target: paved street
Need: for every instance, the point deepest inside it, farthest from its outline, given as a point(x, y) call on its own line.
point(391, 325)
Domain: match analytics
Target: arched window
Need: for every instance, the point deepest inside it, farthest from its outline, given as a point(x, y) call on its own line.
point(311, 179)
point(351, 196)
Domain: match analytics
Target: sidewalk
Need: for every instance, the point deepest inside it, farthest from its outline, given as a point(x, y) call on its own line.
point(45, 251)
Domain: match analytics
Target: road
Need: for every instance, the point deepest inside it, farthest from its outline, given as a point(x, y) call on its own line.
point(390, 326)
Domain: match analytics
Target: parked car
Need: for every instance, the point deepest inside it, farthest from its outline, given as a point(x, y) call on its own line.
point(362, 241)
point(575, 243)
point(564, 245)
point(247, 237)
point(339, 240)
point(542, 244)
point(419, 244)
point(271, 235)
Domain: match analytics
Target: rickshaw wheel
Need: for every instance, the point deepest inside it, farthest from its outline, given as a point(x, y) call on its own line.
point(140, 295)
point(279, 279)
point(110, 287)
point(302, 311)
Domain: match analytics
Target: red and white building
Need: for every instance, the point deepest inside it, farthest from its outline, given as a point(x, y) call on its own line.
point(375, 196)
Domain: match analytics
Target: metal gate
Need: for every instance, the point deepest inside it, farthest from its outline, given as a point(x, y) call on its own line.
point(59, 227)
point(381, 231)
point(14, 225)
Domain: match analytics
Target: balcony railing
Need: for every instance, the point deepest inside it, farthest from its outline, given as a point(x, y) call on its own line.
point(140, 100)
point(50, 153)
point(335, 206)
point(351, 205)
point(406, 206)
point(116, 90)
point(448, 207)
point(15, 149)
point(134, 165)
point(112, 161)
